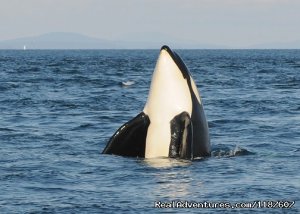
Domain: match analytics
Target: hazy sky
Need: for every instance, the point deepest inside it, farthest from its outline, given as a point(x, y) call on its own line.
point(222, 22)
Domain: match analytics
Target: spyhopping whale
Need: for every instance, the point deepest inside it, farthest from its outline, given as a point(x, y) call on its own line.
point(172, 123)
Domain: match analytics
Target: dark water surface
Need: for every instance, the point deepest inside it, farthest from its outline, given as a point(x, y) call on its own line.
point(59, 108)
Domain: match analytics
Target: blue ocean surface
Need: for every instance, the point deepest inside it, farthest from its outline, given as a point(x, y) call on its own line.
point(60, 107)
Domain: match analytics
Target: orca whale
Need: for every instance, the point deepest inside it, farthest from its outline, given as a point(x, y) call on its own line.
point(172, 123)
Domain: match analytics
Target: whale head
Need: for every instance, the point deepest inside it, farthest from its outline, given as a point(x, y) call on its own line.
point(172, 123)
point(171, 92)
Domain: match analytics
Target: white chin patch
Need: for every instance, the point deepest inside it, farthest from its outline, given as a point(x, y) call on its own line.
point(169, 96)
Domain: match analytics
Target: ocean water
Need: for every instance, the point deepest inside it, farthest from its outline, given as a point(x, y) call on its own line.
point(59, 108)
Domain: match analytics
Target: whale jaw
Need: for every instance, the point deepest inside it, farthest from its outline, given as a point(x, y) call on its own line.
point(169, 96)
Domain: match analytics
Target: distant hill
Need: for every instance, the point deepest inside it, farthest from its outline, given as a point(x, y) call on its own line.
point(57, 41)
point(62, 40)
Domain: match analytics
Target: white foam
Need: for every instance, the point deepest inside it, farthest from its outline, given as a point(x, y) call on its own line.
point(128, 83)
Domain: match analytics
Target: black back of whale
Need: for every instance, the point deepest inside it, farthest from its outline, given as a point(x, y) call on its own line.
point(189, 133)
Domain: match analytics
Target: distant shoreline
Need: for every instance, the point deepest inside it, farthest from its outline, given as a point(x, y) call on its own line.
point(75, 41)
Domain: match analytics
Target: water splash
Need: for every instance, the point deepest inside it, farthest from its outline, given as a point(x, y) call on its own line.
point(227, 151)
point(128, 83)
